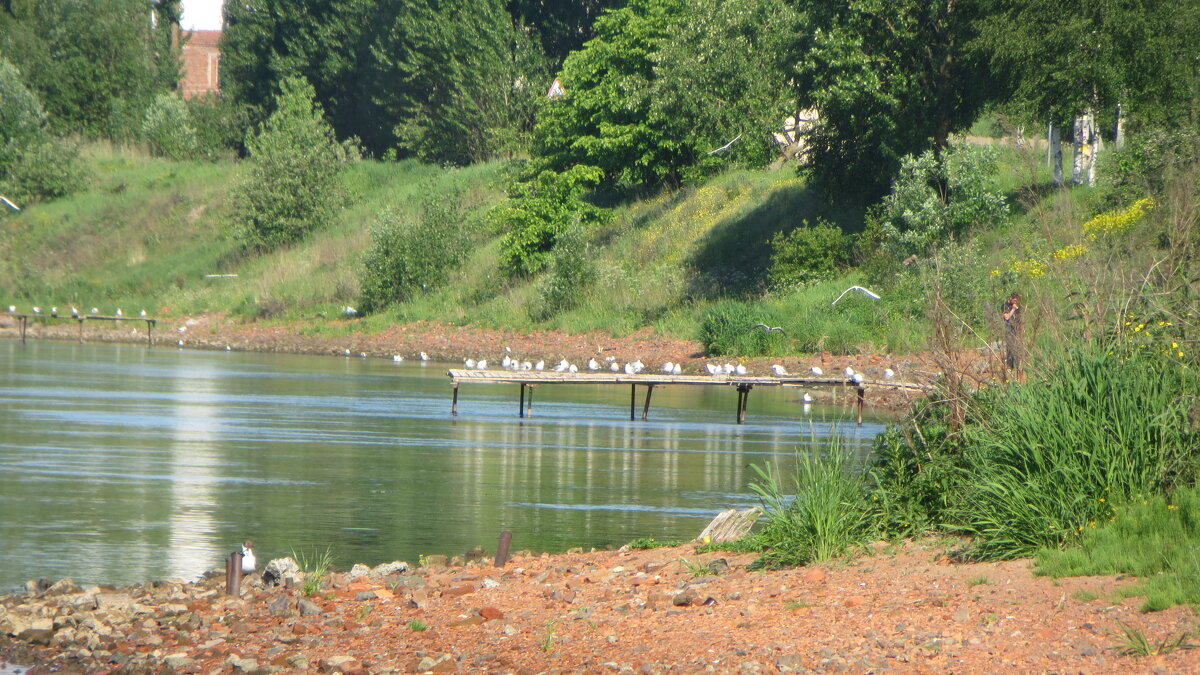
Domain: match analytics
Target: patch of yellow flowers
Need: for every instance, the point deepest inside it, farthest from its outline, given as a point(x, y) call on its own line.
point(1117, 221)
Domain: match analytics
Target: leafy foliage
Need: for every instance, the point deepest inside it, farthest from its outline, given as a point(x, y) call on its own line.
point(808, 253)
point(47, 170)
point(604, 119)
point(220, 124)
point(22, 120)
point(571, 273)
point(827, 516)
point(412, 256)
point(730, 328)
point(295, 181)
point(538, 211)
point(167, 127)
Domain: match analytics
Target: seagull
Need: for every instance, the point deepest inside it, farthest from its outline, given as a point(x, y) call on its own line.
point(12, 309)
point(119, 312)
point(183, 329)
point(525, 365)
point(770, 329)
point(425, 357)
point(37, 310)
point(143, 314)
point(740, 369)
point(593, 364)
point(638, 366)
point(181, 343)
point(615, 367)
point(849, 371)
point(345, 351)
point(54, 312)
point(95, 310)
point(397, 358)
point(562, 366)
point(668, 367)
point(74, 311)
point(470, 363)
point(630, 369)
point(540, 365)
point(860, 289)
point(350, 311)
point(228, 348)
point(888, 373)
point(728, 368)
point(248, 561)
point(362, 355)
point(482, 364)
point(808, 397)
point(505, 362)
point(572, 368)
point(778, 370)
point(712, 370)
point(677, 369)
point(857, 377)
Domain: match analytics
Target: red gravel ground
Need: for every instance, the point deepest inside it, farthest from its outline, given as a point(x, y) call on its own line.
point(904, 609)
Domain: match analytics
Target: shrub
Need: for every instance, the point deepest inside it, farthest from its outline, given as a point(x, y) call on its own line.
point(168, 128)
point(296, 166)
point(827, 516)
point(806, 254)
point(1047, 458)
point(571, 273)
point(538, 210)
point(47, 170)
point(410, 256)
point(935, 198)
point(22, 119)
point(220, 123)
point(729, 328)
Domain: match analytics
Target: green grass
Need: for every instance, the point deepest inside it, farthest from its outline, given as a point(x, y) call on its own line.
point(316, 566)
point(1155, 538)
point(418, 626)
point(1135, 643)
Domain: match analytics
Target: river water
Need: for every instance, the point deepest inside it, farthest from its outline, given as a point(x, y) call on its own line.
point(121, 464)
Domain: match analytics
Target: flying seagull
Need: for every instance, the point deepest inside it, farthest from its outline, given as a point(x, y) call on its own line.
point(770, 329)
point(860, 289)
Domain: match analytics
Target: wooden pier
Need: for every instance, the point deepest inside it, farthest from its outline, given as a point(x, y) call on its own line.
point(743, 383)
point(23, 322)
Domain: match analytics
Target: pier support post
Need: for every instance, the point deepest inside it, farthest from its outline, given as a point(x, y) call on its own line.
point(646, 408)
point(862, 392)
point(529, 403)
point(521, 405)
point(22, 323)
point(502, 549)
point(743, 398)
point(454, 400)
point(632, 401)
point(80, 330)
point(149, 334)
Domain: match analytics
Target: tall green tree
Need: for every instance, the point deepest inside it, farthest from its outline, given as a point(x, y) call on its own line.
point(723, 81)
point(327, 42)
point(561, 27)
point(295, 176)
point(604, 119)
point(22, 120)
point(889, 78)
point(458, 80)
point(92, 64)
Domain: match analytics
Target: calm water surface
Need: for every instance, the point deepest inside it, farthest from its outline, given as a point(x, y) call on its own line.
point(120, 464)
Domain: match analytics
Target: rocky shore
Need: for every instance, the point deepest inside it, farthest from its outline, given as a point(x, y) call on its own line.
point(905, 608)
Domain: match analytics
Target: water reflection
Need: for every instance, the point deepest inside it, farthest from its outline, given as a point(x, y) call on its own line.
point(119, 464)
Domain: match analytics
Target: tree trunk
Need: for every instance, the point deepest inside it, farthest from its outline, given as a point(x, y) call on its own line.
point(1054, 153)
point(1087, 144)
point(1119, 127)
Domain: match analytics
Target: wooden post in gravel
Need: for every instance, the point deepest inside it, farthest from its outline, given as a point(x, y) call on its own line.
point(502, 549)
point(233, 574)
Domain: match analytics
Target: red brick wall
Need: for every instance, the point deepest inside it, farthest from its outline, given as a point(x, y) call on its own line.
point(201, 63)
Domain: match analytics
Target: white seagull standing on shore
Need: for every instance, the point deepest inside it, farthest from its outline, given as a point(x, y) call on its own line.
point(248, 561)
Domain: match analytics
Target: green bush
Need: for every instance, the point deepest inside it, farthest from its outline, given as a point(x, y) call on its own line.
point(572, 272)
point(1045, 459)
point(936, 198)
point(411, 256)
point(47, 170)
point(537, 211)
point(806, 254)
point(22, 119)
point(730, 328)
point(295, 175)
point(828, 515)
point(220, 124)
point(168, 128)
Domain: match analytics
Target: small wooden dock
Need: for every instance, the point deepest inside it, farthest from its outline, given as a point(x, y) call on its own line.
point(23, 322)
point(742, 383)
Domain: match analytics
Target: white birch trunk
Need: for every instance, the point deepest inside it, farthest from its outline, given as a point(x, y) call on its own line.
point(1119, 127)
point(1086, 145)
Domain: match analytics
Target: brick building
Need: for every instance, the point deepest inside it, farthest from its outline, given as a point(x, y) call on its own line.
point(201, 63)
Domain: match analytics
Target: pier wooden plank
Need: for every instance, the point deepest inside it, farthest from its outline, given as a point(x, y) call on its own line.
point(459, 375)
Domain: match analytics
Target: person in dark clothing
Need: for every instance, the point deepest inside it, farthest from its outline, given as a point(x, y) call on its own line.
point(1011, 312)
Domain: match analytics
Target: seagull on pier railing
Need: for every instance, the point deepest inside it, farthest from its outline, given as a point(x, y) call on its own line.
point(739, 369)
point(593, 364)
point(712, 370)
point(119, 312)
point(816, 370)
point(469, 363)
point(668, 367)
point(779, 370)
point(12, 309)
point(95, 310)
point(849, 371)
point(678, 369)
point(143, 314)
point(481, 364)
point(615, 367)
point(860, 289)
point(888, 373)
point(74, 311)
point(54, 312)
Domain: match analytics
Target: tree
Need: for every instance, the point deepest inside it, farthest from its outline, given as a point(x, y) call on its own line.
point(562, 27)
point(889, 79)
point(722, 80)
point(168, 129)
point(295, 176)
point(92, 64)
point(604, 119)
point(327, 42)
point(457, 80)
point(33, 164)
point(22, 120)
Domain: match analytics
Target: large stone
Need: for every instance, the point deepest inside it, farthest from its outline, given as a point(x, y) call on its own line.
point(359, 571)
point(63, 587)
point(309, 608)
point(348, 665)
point(279, 570)
point(388, 569)
point(282, 605)
point(177, 660)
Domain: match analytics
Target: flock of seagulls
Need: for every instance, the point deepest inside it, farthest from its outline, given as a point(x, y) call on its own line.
point(36, 309)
